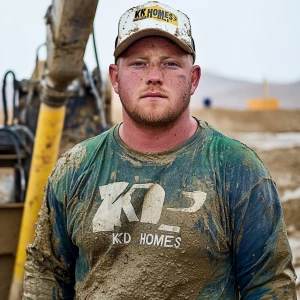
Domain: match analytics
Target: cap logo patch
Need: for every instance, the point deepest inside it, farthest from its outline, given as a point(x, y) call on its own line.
point(156, 12)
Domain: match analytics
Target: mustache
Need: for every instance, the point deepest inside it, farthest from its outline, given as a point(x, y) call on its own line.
point(163, 92)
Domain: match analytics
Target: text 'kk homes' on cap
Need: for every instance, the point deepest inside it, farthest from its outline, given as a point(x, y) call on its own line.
point(154, 18)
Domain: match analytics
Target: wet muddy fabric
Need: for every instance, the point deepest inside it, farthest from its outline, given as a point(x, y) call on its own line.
point(201, 221)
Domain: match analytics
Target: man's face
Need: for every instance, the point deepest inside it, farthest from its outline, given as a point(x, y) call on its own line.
point(155, 79)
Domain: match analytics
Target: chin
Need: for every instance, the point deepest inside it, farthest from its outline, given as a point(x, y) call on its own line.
point(155, 120)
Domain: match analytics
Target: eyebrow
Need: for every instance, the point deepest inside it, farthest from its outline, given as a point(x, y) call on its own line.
point(136, 56)
point(170, 56)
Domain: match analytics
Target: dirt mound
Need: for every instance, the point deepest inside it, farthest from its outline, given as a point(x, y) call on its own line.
point(250, 121)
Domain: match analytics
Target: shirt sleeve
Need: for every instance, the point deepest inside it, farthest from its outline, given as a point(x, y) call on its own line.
point(263, 256)
point(50, 264)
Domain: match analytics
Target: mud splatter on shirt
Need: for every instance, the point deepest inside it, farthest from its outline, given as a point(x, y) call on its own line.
point(188, 223)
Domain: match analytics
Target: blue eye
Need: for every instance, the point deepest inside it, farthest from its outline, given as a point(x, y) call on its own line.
point(138, 64)
point(171, 64)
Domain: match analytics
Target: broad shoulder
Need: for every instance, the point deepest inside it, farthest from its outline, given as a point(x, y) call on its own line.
point(232, 153)
point(80, 156)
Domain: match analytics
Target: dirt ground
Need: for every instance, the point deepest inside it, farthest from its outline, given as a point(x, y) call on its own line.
point(282, 159)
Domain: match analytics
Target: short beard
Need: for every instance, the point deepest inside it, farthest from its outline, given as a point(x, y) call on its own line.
point(169, 117)
point(150, 120)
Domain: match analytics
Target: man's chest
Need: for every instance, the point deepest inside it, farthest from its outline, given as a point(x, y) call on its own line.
point(157, 209)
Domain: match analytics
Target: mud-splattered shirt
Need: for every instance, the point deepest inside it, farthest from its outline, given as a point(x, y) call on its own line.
point(201, 221)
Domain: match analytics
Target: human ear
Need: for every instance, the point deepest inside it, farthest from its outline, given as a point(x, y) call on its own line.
point(196, 74)
point(113, 74)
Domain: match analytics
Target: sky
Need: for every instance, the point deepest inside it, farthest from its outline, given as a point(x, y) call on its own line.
point(241, 39)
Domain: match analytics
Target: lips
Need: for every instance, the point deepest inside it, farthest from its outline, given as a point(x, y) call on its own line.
point(153, 95)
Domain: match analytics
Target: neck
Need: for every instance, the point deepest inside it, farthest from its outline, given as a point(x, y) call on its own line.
point(157, 139)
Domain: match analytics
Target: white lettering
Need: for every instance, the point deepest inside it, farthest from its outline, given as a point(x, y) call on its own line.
point(177, 242)
point(127, 238)
point(149, 239)
point(116, 237)
point(158, 240)
point(108, 213)
point(143, 238)
point(168, 241)
point(198, 198)
point(114, 200)
point(153, 204)
point(164, 227)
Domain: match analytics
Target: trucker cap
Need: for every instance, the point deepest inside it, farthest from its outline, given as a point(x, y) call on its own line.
point(154, 18)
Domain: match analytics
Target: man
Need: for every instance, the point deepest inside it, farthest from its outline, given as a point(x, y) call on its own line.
point(161, 206)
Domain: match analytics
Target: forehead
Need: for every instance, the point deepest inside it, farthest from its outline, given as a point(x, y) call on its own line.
point(153, 44)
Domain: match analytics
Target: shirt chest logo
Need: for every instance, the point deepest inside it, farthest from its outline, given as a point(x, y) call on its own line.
point(114, 200)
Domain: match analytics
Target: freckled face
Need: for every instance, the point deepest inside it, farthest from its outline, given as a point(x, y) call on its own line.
point(155, 79)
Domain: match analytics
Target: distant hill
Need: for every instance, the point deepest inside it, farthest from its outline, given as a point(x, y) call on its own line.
point(233, 94)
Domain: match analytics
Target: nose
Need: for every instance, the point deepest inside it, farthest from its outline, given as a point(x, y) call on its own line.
point(154, 75)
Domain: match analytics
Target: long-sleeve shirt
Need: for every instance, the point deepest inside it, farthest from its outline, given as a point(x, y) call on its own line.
point(200, 221)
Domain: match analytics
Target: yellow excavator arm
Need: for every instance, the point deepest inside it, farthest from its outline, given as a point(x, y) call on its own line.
point(69, 25)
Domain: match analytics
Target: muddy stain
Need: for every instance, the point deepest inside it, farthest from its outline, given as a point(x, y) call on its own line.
point(71, 159)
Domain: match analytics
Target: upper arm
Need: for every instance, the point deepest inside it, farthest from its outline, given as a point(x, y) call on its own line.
point(50, 265)
point(262, 252)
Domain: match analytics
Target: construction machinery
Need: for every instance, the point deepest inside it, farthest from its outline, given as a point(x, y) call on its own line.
point(266, 102)
point(62, 101)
